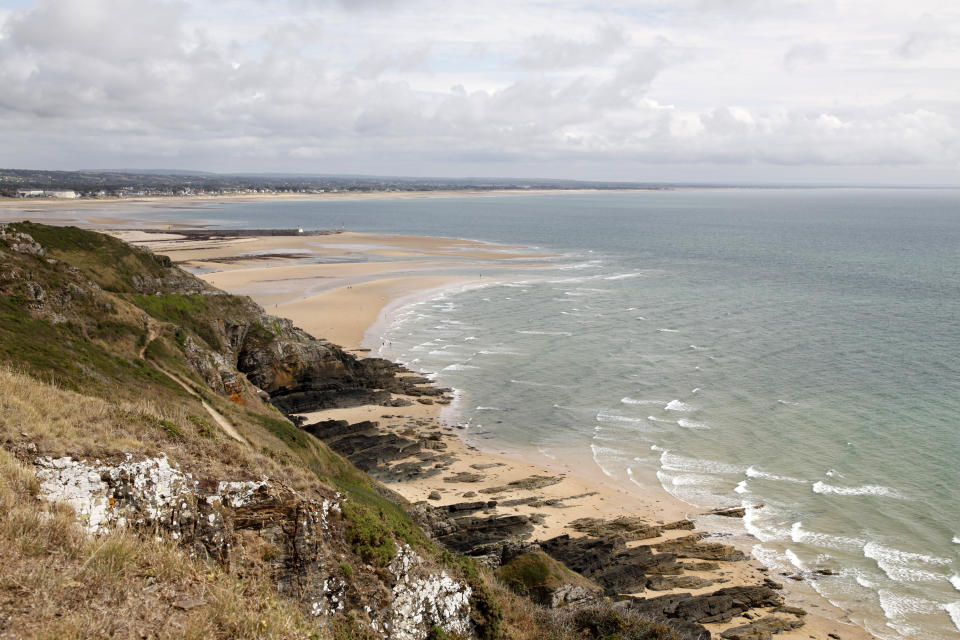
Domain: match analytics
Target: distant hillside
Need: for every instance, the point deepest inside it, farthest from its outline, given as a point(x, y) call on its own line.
point(169, 183)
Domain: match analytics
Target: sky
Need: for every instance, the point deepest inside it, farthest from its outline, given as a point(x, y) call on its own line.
point(734, 91)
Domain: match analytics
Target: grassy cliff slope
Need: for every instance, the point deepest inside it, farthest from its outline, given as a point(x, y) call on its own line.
point(110, 355)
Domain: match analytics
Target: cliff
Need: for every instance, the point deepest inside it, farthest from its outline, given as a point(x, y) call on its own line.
point(152, 484)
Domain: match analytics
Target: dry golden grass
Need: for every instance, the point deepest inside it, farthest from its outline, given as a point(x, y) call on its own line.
point(39, 419)
point(56, 582)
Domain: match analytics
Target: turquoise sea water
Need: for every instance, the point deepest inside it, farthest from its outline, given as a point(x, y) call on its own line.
point(798, 349)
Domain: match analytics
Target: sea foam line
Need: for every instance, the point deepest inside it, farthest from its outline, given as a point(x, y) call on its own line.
point(800, 535)
point(865, 490)
point(753, 472)
point(629, 400)
point(673, 462)
point(690, 424)
point(546, 333)
point(901, 566)
point(953, 610)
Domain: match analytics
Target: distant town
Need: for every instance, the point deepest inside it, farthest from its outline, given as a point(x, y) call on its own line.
point(25, 183)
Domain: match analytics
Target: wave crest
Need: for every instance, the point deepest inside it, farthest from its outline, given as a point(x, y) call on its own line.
point(865, 490)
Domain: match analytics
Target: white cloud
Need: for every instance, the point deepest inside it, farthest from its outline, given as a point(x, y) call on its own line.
point(503, 87)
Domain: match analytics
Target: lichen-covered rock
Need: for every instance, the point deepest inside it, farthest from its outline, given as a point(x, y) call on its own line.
point(421, 602)
point(242, 523)
point(21, 242)
point(146, 492)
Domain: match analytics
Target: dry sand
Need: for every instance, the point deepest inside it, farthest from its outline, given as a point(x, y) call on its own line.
point(340, 301)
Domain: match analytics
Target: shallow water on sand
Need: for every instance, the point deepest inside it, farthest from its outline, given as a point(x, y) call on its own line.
point(795, 348)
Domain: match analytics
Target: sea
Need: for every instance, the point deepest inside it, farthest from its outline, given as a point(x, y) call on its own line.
point(794, 351)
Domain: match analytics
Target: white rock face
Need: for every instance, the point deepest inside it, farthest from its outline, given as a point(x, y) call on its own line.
point(422, 602)
point(157, 497)
point(236, 494)
point(107, 495)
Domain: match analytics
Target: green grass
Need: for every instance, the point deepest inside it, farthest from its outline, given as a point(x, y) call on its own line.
point(532, 571)
point(109, 262)
point(60, 353)
point(367, 534)
point(190, 311)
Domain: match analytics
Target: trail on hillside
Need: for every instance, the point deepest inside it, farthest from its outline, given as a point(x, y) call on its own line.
point(216, 415)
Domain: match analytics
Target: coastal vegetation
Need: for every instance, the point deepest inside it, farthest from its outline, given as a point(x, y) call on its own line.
point(140, 408)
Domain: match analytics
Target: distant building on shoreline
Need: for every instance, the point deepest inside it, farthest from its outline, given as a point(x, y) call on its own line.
point(40, 193)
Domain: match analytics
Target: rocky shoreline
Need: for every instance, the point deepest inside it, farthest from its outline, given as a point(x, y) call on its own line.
point(272, 500)
point(664, 571)
point(504, 513)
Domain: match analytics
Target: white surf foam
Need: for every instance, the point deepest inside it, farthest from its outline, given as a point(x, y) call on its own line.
point(955, 581)
point(656, 419)
point(610, 417)
point(673, 462)
point(669, 330)
point(751, 519)
point(902, 565)
point(624, 276)
point(690, 424)
point(490, 409)
point(953, 610)
point(741, 487)
point(676, 405)
point(691, 480)
point(546, 333)
point(863, 580)
point(753, 472)
point(597, 452)
point(589, 264)
point(629, 400)
point(875, 549)
point(794, 560)
point(499, 352)
point(865, 490)
point(459, 367)
point(898, 607)
point(800, 535)
point(956, 539)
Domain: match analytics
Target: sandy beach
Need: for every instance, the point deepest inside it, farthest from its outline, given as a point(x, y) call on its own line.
point(43, 205)
point(342, 287)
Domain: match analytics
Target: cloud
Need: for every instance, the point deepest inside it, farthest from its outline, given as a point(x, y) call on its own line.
point(550, 51)
point(430, 86)
point(804, 55)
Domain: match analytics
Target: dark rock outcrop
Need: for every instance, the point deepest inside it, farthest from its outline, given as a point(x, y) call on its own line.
point(376, 450)
point(626, 527)
point(692, 547)
point(720, 606)
point(762, 629)
point(609, 563)
point(494, 539)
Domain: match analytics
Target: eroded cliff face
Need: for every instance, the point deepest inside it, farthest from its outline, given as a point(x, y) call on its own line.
point(248, 524)
point(301, 373)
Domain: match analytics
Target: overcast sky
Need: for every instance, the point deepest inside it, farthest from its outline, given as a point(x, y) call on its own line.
point(677, 90)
